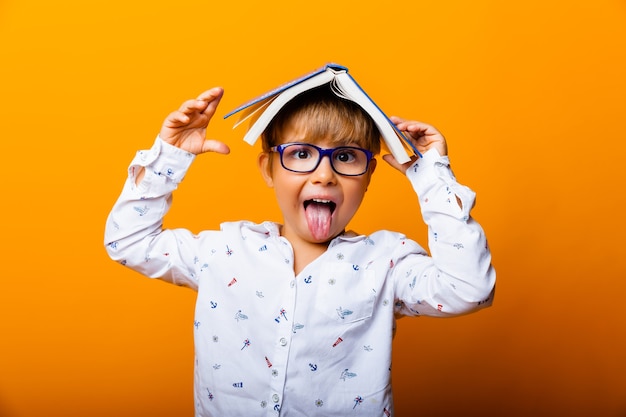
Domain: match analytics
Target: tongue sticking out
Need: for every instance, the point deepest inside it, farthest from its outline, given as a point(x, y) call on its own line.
point(318, 217)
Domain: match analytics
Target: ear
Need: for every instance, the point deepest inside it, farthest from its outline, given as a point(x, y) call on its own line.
point(372, 166)
point(264, 162)
point(370, 171)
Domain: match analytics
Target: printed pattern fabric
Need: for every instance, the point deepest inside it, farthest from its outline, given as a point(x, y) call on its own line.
point(269, 342)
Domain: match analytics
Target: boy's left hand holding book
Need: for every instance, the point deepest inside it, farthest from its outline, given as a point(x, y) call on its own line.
point(423, 136)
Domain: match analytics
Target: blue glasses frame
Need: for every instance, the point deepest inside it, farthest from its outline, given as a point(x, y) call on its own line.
point(322, 153)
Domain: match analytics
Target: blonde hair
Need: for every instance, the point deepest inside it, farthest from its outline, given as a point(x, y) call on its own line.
point(324, 115)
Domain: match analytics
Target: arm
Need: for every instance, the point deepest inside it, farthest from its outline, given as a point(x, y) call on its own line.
point(134, 234)
point(458, 277)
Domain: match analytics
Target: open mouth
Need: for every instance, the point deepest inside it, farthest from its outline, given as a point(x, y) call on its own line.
point(320, 203)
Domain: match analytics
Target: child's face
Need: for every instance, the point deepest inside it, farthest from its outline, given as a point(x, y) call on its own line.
point(316, 206)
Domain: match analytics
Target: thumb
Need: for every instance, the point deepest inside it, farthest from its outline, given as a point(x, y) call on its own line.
point(394, 163)
point(212, 145)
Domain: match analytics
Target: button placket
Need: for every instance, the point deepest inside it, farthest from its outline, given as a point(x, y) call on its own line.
point(282, 346)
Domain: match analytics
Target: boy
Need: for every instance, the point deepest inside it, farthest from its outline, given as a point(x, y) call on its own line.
point(297, 319)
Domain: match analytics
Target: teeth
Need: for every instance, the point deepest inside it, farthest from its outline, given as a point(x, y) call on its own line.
point(332, 205)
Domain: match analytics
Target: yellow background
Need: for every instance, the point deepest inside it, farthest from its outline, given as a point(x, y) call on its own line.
point(530, 96)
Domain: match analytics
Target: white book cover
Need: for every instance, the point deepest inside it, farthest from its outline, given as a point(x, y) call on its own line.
point(262, 109)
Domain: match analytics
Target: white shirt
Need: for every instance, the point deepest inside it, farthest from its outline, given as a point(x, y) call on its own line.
point(269, 342)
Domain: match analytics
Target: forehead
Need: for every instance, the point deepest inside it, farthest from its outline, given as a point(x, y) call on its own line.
point(320, 131)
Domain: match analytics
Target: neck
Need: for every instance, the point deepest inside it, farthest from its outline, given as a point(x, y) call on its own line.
point(304, 252)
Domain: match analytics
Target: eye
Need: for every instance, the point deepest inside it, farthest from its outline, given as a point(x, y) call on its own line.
point(345, 156)
point(298, 152)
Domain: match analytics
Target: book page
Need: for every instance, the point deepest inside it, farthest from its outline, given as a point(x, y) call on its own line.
point(253, 112)
point(347, 87)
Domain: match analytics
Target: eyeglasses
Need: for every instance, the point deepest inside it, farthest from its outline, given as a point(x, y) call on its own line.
point(304, 157)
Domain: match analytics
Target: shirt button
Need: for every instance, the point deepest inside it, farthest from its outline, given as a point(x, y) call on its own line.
point(275, 398)
point(283, 341)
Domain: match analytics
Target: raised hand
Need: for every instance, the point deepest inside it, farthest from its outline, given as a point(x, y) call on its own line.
point(186, 127)
point(423, 136)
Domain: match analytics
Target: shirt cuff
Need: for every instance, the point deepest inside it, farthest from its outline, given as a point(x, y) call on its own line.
point(437, 187)
point(427, 169)
point(163, 163)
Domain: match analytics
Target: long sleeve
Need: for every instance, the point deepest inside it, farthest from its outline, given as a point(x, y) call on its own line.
point(317, 342)
point(134, 235)
point(458, 277)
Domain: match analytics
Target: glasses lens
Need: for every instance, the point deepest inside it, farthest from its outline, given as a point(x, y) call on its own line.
point(349, 161)
point(300, 157)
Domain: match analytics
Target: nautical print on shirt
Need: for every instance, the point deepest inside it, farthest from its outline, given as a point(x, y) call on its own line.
point(271, 343)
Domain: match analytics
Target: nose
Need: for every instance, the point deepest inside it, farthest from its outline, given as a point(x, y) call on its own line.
point(324, 173)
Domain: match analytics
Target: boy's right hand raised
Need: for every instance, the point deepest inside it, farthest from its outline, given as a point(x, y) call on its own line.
point(186, 127)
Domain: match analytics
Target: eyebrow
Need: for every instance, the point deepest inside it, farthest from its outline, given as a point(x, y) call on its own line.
point(333, 141)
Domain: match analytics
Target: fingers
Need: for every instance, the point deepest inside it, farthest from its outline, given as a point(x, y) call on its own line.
point(423, 136)
point(211, 99)
point(205, 103)
point(414, 127)
point(175, 119)
point(212, 94)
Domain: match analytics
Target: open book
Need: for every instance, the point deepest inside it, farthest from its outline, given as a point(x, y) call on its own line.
point(261, 110)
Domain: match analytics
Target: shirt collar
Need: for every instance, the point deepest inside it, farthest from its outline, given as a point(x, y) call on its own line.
point(272, 229)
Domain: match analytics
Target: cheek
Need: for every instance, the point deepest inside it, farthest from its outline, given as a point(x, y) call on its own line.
point(286, 191)
point(354, 196)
